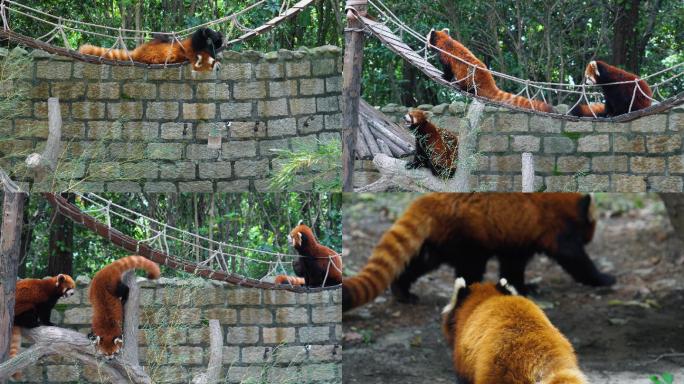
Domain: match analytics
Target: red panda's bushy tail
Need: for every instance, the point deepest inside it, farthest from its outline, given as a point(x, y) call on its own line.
point(114, 54)
point(389, 258)
point(520, 101)
point(585, 110)
point(292, 280)
point(117, 268)
point(565, 376)
point(15, 345)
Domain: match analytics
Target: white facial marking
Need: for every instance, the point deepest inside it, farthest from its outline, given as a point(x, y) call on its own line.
point(299, 234)
point(211, 60)
point(69, 292)
point(458, 284)
point(118, 341)
point(198, 63)
point(504, 283)
point(96, 340)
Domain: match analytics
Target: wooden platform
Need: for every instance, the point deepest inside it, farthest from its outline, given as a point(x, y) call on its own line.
point(378, 134)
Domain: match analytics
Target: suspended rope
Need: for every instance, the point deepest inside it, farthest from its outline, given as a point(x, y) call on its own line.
point(121, 35)
point(531, 89)
point(215, 260)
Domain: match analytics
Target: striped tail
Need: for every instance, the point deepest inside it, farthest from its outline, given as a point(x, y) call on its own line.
point(396, 248)
point(114, 54)
point(585, 110)
point(15, 345)
point(521, 102)
point(291, 280)
point(120, 266)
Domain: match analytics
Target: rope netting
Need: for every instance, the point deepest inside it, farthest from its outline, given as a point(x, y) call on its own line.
point(182, 250)
point(391, 31)
point(57, 42)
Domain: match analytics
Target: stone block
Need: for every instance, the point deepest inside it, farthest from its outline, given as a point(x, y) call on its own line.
point(107, 91)
point(493, 143)
point(249, 90)
point(593, 143)
point(235, 110)
point(284, 88)
point(162, 110)
point(558, 145)
point(314, 334)
point(233, 150)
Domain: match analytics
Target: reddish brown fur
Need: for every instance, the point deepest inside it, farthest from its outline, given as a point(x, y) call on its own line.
point(436, 148)
point(483, 84)
point(618, 97)
point(291, 280)
point(157, 52)
point(107, 305)
point(599, 109)
point(33, 295)
point(318, 259)
point(492, 220)
point(505, 339)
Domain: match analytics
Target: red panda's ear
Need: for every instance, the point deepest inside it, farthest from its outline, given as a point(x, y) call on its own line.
point(60, 279)
point(300, 222)
point(446, 30)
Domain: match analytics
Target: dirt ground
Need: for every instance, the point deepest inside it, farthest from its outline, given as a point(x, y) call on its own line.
point(622, 334)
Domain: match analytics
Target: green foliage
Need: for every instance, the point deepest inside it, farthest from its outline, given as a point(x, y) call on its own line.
point(317, 164)
point(665, 378)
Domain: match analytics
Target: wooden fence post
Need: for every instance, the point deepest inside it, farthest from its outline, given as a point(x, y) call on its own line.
point(527, 172)
point(351, 89)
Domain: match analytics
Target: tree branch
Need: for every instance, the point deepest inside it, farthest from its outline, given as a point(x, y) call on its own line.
point(131, 319)
point(51, 341)
point(213, 374)
point(43, 164)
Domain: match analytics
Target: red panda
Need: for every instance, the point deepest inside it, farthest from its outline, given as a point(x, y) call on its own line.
point(107, 296)
point(469, 79)
point(436, 148)
point(33, 304)
point(513, 227)
point(619, 96)
point(199, 49)
point(318, 263)
point(498, 337)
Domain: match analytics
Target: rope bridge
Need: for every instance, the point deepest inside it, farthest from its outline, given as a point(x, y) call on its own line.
point(530, 89)
point(49, 41)
point(213, 259)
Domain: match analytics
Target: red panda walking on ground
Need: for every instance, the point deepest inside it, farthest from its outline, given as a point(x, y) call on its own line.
point(199, 49)
point(107, 296)
point(464, 230)
point(618, 96)
point(317, 264)
point(471, 79)
point(33, 304)
point(498, 337)
point(436, 148)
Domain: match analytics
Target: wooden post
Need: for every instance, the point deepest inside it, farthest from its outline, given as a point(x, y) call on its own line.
point(527, 172)
point(674, 204)
point(43, 164)
point(351, 89)
point(10, 243)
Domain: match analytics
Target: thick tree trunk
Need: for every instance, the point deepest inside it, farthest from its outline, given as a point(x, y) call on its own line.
point(10, 242)
point(674, 203)
point(61, 244)
point(624, 35)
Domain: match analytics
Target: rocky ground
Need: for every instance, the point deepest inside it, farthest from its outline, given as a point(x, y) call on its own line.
point(621, 335)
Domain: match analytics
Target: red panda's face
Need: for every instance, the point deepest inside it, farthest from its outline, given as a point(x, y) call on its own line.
point(437, 37)
point(591, 73)
point(65, 284)
point(107, 346)
point(298, 235)
point(414, 118)
point(204, 63)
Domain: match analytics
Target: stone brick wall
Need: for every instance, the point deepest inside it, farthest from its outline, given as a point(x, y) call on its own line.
point(134, 129)
point(277, 336)
point(643, 155)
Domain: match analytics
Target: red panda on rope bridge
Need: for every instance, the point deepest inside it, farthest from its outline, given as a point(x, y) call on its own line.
point(142, 248)
point(319, 265)
point(397, 45)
